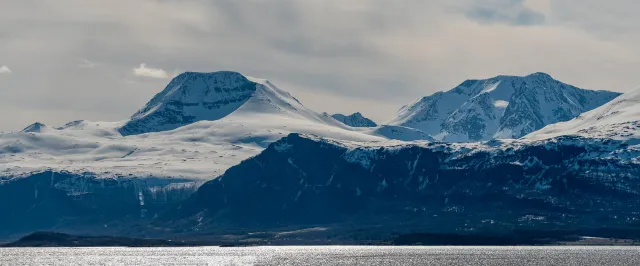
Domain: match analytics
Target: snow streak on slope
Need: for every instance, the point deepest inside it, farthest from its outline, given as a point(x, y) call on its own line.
point(500, 107)
point(199, 126)
point(618, 119)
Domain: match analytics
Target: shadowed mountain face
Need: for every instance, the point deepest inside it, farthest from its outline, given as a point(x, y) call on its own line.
point(84, 204)
point(561, 183)
point(500, 107)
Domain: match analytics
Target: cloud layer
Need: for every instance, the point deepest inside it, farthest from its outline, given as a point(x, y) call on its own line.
point(371, 56)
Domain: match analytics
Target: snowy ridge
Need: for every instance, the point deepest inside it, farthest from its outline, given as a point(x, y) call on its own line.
point(499, 107)
point(618, 119)
point(203, 123)
point(197, 127)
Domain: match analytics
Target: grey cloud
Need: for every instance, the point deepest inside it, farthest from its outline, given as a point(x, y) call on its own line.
point(608, 19)
point(84, 63)
point(322, 48)
point(511, 12)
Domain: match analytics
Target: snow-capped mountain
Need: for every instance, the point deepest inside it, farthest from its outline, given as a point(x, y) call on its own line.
point(197, 127)
point(192, 97)
point(500, 107)
point(355, 120)
point(618, 119)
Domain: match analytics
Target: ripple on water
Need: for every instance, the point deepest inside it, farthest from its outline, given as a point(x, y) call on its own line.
point(324, 255)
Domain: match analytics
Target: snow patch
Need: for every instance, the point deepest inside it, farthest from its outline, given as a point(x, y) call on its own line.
point(500, 104)
point(282, 147)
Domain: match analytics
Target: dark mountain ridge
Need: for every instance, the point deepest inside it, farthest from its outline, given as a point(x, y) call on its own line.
point(565, 183)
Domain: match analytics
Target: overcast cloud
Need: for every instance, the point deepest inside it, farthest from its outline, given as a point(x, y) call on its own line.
point(103, 59)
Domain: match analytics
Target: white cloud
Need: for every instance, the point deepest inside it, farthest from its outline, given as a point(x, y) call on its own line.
point(5, 70)
point(144, 71)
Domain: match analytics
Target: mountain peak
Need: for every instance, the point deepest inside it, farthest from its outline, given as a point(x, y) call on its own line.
point(194, 96)
point(191, 97)
point(355, 120)
point(36, 127)
point(498, 107)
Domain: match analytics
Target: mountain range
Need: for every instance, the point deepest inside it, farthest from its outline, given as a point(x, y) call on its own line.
point(238, 153)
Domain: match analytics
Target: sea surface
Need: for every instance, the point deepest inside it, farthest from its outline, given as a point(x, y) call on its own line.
point(324, 255)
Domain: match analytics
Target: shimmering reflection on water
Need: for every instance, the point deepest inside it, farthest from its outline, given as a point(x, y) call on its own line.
point(324, 255)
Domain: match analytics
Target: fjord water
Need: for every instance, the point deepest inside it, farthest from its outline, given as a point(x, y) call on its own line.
point(324, 255)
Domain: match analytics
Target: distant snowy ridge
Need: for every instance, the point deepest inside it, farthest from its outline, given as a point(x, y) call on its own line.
point(618, 119)
point(499, 107)
point(197, 127)
point(36, 127)
point(355, 120)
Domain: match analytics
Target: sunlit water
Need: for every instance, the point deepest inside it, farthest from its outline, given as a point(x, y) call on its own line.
point(321, 255)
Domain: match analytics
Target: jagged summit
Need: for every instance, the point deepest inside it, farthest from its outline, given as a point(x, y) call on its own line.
point(355, 120)
point(498, 107)
point(36, 127)
point(194, 96)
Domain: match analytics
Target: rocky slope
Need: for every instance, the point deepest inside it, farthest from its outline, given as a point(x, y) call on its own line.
point(498, 108)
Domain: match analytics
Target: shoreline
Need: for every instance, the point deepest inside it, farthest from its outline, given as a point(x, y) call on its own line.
point(52, 239)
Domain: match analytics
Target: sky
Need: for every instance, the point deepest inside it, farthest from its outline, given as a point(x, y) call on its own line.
point(101, 60)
